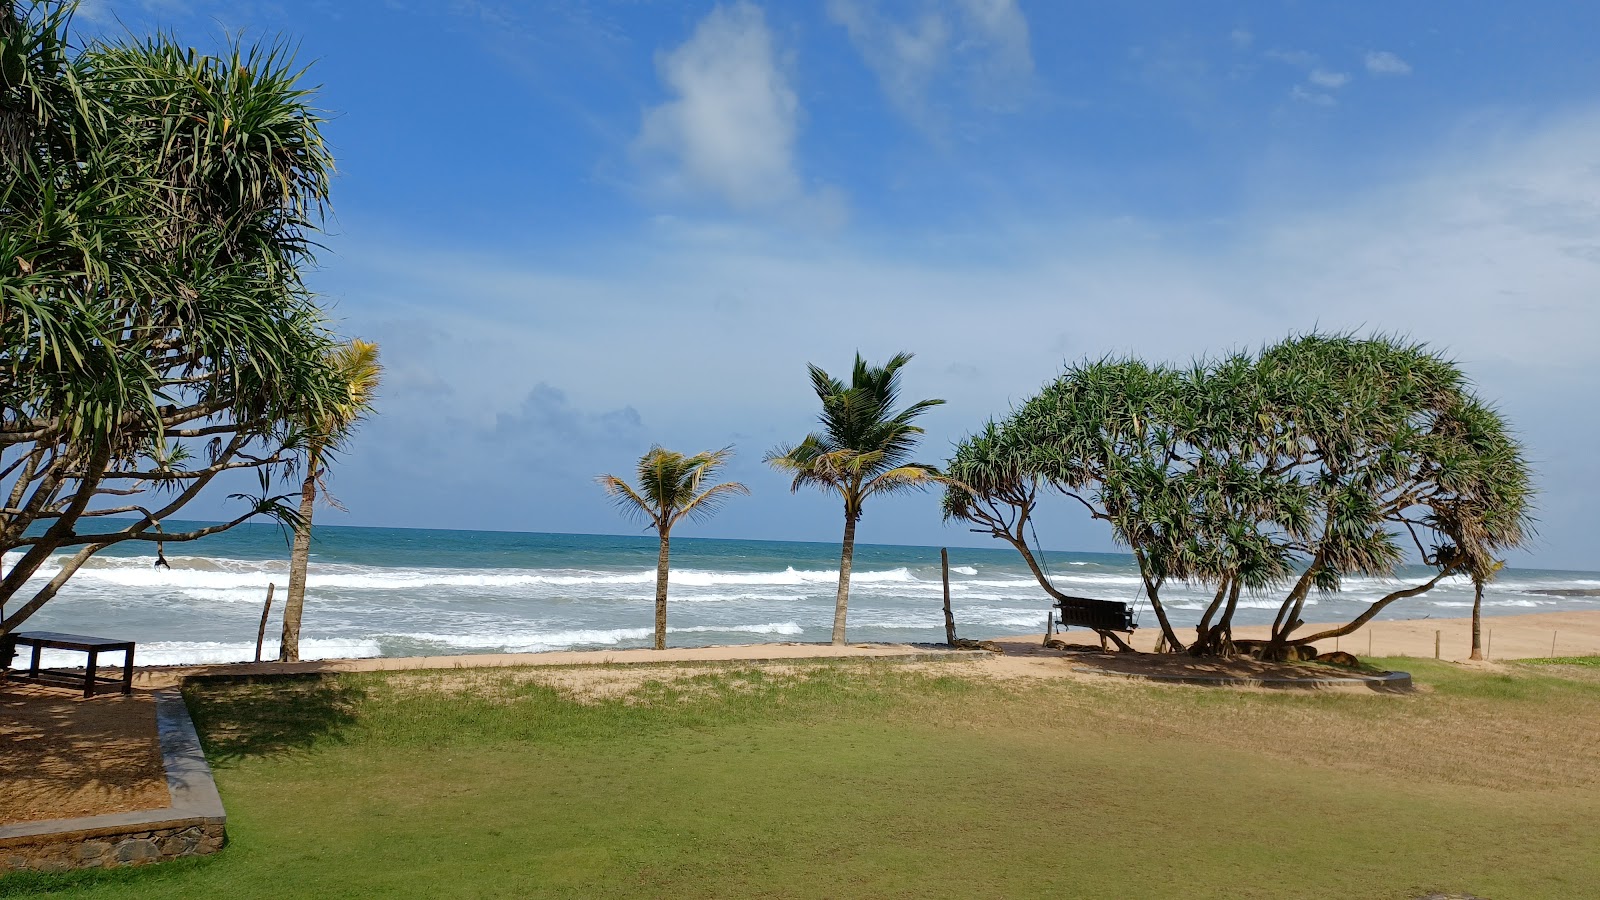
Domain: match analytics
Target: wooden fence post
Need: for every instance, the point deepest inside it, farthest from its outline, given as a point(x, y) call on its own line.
point(949, 618)
point(261, 633)
point(1436, 644)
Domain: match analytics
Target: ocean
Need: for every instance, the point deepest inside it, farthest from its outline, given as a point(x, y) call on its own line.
point(410, 592)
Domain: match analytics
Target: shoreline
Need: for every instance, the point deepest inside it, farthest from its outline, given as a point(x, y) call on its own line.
point(1523, 636)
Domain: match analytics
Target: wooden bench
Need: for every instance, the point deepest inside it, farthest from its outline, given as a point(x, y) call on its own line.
point(1100, 615)
point(54, 640)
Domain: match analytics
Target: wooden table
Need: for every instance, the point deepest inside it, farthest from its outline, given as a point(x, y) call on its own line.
point(54, 640)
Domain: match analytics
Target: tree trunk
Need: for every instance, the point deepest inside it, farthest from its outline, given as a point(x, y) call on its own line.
point(841, 605)
point(661, 594)
point(1477, 619)
point(299, 558)
point(1153, 593)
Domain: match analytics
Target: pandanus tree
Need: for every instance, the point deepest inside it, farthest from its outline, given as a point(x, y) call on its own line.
point(863, 449)
point(359, 370)
point(1478, 580)
point(1321, 458)
point(671, 487)
point(157, 208)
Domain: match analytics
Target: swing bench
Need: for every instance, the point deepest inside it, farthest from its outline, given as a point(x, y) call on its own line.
point(1100, 615)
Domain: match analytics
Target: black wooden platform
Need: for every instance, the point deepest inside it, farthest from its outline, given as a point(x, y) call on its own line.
point(1100, 615)
point(88, 679)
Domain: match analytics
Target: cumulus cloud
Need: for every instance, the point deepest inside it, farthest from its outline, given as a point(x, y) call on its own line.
point(982, 46)
point(1382, 62)
point(729, 129)
point(1489, 248)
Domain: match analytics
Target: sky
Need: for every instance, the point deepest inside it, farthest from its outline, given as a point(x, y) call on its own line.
point(579, 228)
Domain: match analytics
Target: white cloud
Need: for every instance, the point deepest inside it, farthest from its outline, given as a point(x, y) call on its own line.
point(1301, 58)
point(1328, 79)
point(905, 56)
point(1000, 32)
point(730, 129)
point(1316, 98)
point(1382, 62)
point(1489, 248)
point(982, 44)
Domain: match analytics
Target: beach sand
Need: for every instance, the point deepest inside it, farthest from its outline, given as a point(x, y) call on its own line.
point(1505, 637)
point(169, 676)
point(62, 755)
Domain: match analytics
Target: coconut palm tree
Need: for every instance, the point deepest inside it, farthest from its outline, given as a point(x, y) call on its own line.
point(671, 487)
point(863, 449)
point(357, 363)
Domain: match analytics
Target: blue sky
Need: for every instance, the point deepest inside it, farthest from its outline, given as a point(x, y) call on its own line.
point(579, 228)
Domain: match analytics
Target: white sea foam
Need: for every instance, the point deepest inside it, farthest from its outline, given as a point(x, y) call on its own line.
point(964, 570)
point(139, 572)
point(184, 653)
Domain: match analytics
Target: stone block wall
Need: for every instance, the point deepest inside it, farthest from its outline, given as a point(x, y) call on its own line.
point(105, 848)
point(192, 825)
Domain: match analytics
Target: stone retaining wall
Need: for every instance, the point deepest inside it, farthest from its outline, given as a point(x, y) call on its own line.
point(193, 825)
point(105, 848)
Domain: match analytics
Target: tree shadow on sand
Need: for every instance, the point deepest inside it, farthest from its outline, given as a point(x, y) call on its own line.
point(244, 717)
point(64, 755)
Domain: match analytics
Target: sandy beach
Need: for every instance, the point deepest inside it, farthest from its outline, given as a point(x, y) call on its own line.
point(1505, 637)
point(1508, 637)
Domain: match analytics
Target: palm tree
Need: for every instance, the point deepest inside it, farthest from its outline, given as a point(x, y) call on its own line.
point(671, 488)
point(863, 449)
point(357, 363)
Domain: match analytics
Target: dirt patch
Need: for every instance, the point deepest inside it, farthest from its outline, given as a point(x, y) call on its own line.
point(62, 755)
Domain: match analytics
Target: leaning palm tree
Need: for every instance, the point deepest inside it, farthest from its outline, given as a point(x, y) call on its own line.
point(670, 488)
point(863, 449)
point(357, 364)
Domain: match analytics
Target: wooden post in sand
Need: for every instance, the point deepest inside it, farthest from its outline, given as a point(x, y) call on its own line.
point(1436, 645)
point(261, 633)
point(1488, 646)
point(949, 618)
point(1552, 645)
point(1369, 639)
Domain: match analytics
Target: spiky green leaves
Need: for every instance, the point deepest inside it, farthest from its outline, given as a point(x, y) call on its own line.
point(1331, 454)
point(865, 443)
point(671, 487)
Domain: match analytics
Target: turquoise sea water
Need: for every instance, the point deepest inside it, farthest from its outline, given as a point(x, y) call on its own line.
point(402, 592)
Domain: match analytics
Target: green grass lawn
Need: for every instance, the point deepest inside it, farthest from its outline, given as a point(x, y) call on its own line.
point(835, 780)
